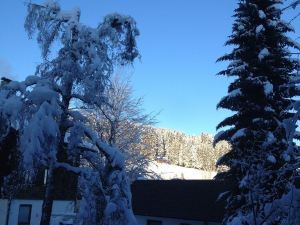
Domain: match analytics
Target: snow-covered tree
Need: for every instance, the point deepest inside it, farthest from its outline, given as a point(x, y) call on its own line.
point(152, 143)
point(56, 137)
point(9, 157)
point(259, 161)
point(121, 122)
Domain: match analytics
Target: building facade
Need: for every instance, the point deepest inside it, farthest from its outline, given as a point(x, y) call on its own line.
point(155, 202)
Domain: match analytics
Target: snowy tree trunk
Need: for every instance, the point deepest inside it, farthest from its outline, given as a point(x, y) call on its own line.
point(48, 199)
point(54, 178)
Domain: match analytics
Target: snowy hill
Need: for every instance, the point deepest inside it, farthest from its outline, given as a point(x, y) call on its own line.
point(168, 171)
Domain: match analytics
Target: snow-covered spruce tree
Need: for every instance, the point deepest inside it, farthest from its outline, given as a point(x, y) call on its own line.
point(259, 97)
point(55, 137)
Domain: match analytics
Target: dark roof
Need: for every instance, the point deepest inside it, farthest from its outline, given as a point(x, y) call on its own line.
point(182, 199)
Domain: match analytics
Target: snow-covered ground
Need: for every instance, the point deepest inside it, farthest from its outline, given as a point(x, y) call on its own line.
point(167, 171)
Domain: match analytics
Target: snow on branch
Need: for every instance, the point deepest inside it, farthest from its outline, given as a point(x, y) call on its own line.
point(292, 5)
point(113, 155)
point(68, 167)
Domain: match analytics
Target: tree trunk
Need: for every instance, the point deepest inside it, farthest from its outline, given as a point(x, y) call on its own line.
point(48, 199)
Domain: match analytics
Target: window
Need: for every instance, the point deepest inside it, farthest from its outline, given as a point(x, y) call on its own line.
point(154, 222)
point(24, 215)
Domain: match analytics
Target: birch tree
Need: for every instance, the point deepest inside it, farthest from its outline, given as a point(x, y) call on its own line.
point(56, 137)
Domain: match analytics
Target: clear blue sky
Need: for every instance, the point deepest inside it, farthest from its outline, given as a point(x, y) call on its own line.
point(180, 41)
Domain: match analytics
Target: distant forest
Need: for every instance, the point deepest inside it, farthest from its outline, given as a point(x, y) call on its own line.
point(183, 150)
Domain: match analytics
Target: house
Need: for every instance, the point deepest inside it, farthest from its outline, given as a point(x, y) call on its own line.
point(155, 202)
point(28, 212)
point(178, 202)
point(26, 207)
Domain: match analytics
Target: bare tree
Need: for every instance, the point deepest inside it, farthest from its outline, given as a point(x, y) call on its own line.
point(121, 122)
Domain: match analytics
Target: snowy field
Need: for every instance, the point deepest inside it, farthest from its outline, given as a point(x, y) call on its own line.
point(168, 171)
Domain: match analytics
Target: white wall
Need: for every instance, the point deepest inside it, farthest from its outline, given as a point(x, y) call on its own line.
point(35, 211)
point(142, 220)
point(3, 210)
point(62, 211)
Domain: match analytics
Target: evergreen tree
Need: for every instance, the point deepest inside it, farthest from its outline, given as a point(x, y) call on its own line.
point(259, 97)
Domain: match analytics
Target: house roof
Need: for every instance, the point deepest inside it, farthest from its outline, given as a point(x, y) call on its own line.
point(184, 199)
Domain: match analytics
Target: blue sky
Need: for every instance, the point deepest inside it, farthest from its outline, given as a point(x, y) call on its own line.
point(180, 41)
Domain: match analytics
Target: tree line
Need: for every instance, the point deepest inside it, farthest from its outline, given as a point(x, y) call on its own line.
point(177, 148)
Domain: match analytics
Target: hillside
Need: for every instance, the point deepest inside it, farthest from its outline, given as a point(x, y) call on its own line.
point(168, 171)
